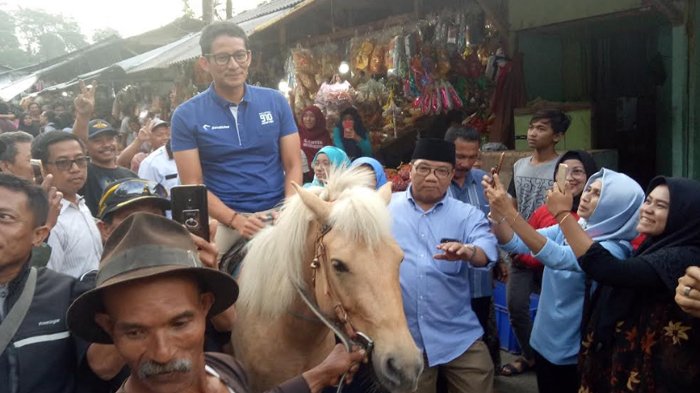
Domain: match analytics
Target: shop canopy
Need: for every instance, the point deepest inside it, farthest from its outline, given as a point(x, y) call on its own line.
point(187, 47)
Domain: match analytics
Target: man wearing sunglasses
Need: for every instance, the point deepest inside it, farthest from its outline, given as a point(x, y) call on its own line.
point(239, 140)
point(75, 241)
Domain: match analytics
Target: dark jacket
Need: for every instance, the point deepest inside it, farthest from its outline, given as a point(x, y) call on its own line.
point(43, 356)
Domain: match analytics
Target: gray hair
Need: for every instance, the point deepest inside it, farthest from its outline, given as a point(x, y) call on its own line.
point(11, 139)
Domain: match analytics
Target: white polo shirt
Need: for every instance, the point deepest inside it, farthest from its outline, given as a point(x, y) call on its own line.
point(160, 168)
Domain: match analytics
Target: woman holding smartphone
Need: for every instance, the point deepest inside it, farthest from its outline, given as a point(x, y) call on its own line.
point(607, 212)
point(638, 339)
point(351, 136)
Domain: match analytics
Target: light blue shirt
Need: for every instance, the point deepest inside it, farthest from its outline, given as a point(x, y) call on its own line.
point(436, 293)
point(481, 282)
point(556, 332)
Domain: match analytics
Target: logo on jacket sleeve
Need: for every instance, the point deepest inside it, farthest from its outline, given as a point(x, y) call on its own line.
point(266, 118)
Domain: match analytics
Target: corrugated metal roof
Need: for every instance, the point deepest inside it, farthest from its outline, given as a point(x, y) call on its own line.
point(188, 47)
point(264, 9)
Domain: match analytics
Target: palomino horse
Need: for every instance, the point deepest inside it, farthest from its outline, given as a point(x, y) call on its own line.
point(276, 336)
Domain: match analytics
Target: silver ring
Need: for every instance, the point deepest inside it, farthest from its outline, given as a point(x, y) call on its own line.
point(686, 291)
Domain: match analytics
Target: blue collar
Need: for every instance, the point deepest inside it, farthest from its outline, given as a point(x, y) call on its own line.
point(468, 179)
point(224, 103)
point(409, 196)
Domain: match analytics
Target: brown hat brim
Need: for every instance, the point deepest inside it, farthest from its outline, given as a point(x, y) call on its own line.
point(81, 314)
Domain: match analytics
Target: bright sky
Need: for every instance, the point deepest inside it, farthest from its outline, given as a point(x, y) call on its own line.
point(128, 17)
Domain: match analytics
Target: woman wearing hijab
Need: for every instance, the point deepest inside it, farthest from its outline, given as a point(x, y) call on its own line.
point(323, 160)
point(312, 132)
point(638, 339)
point(581, 166)
point(351, 136)
point(375, 166)
point(607, 211)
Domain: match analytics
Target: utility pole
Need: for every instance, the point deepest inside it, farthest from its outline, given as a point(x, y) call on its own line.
point(229, 9)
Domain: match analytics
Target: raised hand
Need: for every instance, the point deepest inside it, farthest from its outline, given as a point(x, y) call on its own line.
point(499, 200)
point(54, 196)
point(85, 101)
point(558, 201)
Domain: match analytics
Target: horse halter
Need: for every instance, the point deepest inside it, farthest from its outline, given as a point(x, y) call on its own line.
point(350, 334)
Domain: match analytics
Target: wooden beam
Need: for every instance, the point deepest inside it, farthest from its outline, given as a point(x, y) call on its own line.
point(669, 10)
point(497, 18)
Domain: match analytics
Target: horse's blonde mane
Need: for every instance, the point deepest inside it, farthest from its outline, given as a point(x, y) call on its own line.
point(276, 256)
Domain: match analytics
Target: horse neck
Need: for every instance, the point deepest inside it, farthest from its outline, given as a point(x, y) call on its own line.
point(304, 325)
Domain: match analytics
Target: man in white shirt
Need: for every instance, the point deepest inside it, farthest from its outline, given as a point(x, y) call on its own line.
point(75, 241)
point(160, 167)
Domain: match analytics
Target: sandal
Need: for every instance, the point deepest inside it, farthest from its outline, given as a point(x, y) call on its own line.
point(516, 367)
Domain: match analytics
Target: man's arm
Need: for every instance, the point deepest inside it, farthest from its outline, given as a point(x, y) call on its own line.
point(124, 158)
point(84, 105)
point(190, 171)
point(291, 162)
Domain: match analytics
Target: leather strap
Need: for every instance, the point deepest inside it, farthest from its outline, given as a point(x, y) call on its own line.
point(14, 318)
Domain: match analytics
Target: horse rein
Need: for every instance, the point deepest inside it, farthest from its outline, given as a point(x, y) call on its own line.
point(341, 327)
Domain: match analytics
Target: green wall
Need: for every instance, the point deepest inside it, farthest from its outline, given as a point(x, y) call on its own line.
point(542, 63)
point(525, 14)
point(694, 85)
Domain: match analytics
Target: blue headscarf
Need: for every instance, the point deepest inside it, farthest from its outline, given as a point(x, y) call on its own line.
point(336, 156)
point(616, 215)
point(376, 166)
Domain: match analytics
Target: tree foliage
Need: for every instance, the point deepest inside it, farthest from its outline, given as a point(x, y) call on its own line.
point(104, 33)
point(29, 36)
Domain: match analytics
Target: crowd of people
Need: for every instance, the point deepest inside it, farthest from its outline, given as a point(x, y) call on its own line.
point(101, 292)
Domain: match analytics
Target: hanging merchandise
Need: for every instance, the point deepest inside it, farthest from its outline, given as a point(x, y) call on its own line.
point(402, 73)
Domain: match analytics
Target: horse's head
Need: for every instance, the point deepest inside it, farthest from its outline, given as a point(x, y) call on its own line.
point(358, 268)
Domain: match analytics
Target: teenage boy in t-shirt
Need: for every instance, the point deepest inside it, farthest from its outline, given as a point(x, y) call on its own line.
point(532, 177)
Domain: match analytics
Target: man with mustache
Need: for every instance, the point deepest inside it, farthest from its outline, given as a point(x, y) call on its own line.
point(101, 145)
point(151, 301)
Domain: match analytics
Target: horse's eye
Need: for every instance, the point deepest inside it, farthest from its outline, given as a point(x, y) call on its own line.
point(339, 266)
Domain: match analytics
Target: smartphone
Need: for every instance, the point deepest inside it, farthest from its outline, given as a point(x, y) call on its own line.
point(497, 169)
point(36, 168)
point(448, 240)
point(190, 208)
point(562, 171)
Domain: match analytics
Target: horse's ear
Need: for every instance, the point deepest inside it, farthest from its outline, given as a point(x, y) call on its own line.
point(320, 208)
point(385, 192)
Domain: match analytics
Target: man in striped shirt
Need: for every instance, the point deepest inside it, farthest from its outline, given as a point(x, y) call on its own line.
point(75, 241)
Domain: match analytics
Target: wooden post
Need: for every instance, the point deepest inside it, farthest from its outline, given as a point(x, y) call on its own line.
point(207, 11)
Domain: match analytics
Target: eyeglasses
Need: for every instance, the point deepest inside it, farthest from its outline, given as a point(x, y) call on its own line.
point(129, 189)
point(65, 164)
point(223, 59)
point(440, 172)
point(578, 173)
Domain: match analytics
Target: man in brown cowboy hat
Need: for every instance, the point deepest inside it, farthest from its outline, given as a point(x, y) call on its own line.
point(151, 301)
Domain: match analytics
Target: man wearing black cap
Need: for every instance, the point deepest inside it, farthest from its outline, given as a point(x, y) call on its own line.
point(101, 143)
point(442, 239)
point(151, 301)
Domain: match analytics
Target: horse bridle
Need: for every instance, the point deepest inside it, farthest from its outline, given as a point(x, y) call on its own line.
point(341, 326)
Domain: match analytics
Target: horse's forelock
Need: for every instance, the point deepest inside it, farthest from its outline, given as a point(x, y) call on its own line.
point(275, 256)
point(361, 215)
